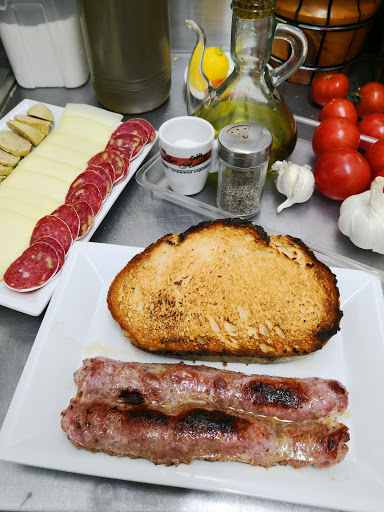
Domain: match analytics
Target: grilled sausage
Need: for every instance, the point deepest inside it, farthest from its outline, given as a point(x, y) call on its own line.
point(176, 387)
point(124, 430)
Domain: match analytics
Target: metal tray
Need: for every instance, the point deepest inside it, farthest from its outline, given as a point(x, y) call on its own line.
point(152, 175)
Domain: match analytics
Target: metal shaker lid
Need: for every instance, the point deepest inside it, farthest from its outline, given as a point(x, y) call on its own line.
point(244, 144)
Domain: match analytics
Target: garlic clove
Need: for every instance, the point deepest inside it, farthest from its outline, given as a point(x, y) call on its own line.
point(362, 217)
point(294, 181)
point(287, 203)
point(377, 196)
point(362, 230)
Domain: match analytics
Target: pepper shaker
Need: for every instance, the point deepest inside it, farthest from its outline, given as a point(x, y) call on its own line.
point(243, 154)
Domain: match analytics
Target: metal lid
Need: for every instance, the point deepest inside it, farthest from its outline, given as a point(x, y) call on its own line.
point(244, 144)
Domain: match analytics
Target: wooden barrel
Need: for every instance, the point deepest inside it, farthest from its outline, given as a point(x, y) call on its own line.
point(336, 31)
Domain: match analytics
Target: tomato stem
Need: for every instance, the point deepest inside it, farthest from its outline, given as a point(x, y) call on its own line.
point(355, 97)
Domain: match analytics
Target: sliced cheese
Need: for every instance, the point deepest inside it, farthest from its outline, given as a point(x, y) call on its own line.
point(15, 234)
point(34, 182)
point(35, 199)
point(80, 127)
point(93, 113)
point(34, 212)
point(44, 165)
point(82, 144)
point(62, 154)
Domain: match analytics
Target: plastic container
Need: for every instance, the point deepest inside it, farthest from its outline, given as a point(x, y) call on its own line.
point(43, 42)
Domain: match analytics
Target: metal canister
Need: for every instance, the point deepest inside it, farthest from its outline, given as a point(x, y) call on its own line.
point(244, 151)
point(128, 49)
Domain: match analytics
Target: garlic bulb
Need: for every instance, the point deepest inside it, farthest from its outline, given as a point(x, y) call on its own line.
point(294, 181)
point(362, 217)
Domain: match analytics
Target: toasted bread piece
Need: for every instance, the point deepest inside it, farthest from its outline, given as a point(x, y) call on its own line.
point(225, 290)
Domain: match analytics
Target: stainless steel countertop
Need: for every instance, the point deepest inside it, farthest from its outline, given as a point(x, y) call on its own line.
point(138, 219)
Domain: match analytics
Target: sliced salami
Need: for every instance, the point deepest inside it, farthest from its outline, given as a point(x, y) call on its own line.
point(68, 214)
point(88, 193)
point(54, 227)
point(125, 169)
point(119, 161)
point(150, 129)
point(101, 160)
point(127, 141)
point(133, 127)
point(85, 214)
point(33, 269)
point(126, 153)
point(89, 176)
point(105, 174)
point(57, 246)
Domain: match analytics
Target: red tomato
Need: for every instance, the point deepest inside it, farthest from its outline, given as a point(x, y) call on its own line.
point(369, 99)
point(333, 133)
point(372, 125)
point(339, 107)
point(375, 157)
point(380, 173)
point(328, 86)
point(341, 173)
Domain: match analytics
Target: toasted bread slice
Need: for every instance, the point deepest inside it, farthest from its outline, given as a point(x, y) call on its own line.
point(225, 290)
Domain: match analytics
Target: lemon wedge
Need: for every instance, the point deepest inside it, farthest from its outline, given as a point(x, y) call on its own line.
point(215, 65)
point(196, 79)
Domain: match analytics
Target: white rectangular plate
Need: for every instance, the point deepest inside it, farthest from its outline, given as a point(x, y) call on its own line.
point(78, 325)
point(33, 303)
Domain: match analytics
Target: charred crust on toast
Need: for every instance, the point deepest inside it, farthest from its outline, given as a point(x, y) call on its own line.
point(325, 334)
point(231, 222)
point(304, 246)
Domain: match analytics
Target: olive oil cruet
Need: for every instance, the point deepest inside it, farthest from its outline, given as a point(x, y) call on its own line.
point(249, 93)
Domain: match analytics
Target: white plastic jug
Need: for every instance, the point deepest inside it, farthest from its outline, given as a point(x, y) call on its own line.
point(43, 42)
